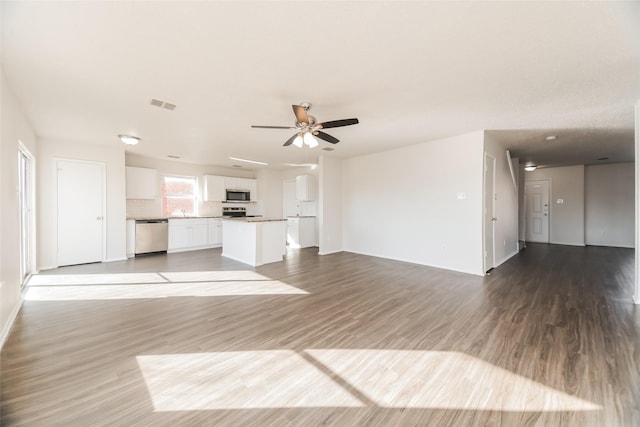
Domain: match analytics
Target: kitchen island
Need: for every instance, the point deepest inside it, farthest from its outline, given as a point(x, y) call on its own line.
point(254, 241)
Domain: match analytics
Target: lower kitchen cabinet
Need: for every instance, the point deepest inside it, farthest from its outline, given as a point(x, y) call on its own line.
point(187, 234)
point(301, 231)
point(215, 232)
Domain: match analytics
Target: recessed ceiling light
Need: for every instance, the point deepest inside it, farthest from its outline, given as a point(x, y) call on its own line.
point(530, 168)
point(603, 158)
point(173, 156)
point(328, 149)
point(236, 166)
point(551, 138)
point(300, 165)
point(129, 140)
point(255, 162)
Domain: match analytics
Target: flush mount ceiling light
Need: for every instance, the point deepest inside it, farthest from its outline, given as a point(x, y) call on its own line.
point(551, 138)
point(530, 168)
point(129, 140)
point(255, 162)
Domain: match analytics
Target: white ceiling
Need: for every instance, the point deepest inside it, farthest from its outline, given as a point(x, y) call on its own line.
point(410, 71)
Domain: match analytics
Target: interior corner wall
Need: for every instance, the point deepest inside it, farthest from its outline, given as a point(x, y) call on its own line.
point(15, 127)
point(566, 219)
point(609, 205)
point(420, 204)
point(270, 192)
point(522, 225)
point(330, 205)
point(113, 157)
point(506, 202)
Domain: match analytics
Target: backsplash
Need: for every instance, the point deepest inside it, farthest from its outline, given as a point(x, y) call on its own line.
point(153, 208)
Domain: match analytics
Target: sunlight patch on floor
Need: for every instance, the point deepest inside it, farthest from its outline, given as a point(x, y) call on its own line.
point(442, 379)
point(213, 276)
point(93, 279)
point(76, 287)
point(158, 290)
point(239, 380)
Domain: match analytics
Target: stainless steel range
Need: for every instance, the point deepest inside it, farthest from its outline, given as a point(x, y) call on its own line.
point(234, 212)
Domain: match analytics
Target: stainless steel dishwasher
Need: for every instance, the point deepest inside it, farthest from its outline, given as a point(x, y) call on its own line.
point(152, 236)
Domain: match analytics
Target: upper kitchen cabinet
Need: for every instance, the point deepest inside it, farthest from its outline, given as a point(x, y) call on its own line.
point(214, 188)
point(305, 188)
point(142, 183)
point(253, 188)
point(233, 183)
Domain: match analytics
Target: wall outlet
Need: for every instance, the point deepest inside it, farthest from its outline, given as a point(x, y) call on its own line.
point(560, 201)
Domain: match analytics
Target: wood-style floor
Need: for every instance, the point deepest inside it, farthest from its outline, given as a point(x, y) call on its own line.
point(550, 338)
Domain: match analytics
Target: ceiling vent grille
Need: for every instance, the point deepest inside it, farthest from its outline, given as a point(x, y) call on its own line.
point(163, 104)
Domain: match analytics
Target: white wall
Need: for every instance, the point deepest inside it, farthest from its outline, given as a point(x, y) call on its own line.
point(15, 127)
point(610, 204)
point(330, 205)
point(506, 203)
point(566, 220)
point(113, 157)
point(270, 192)
point(403, 204)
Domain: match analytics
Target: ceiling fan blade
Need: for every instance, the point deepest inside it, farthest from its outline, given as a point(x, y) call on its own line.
point(301, 113)
point(273, 127)
point(326, 137)
point(338, 123)
point(290, 140)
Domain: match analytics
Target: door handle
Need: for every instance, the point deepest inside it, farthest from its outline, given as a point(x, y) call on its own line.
point(494, 219)
point(99, 218)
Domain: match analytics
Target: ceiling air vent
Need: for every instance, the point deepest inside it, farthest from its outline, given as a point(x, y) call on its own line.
point(163, 104)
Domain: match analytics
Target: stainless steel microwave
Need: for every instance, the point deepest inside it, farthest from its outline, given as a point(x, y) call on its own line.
point(238, 196)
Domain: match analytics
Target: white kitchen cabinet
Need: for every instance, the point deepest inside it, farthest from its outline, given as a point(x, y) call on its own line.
point(188, 234)
point(131, 238)
point(305, 188)
point(141, 183)
point(301, 232)
point(253, 188)
point(215, 232)
point(214, 188)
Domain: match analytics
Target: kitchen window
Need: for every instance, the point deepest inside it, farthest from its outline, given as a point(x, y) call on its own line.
point(179, 195)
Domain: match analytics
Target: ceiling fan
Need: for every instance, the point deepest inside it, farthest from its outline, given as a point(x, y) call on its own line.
point(307, 127)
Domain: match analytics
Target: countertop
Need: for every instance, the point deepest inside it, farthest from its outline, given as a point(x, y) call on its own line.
point(254, 219)
point(158, 218)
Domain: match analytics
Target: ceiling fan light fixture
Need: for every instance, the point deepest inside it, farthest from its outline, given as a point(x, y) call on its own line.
point(310, 140)
point(298, 141)
point(530, 168)
point(128, 139)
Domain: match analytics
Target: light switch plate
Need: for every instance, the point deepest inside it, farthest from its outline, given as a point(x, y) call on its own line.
point(560, 201)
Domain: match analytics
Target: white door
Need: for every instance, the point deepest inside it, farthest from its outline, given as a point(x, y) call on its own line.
point(289, 201)
point(25, 195)
point(489, 211)
point(537, 210)
point(80, 212)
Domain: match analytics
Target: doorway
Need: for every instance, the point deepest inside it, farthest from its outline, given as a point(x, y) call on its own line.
point(81, 212)
point(489, 211)
point(289, 200)
point(26, 204)
point(536, 197)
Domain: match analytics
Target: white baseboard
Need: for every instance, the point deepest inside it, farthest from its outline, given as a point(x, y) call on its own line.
point(475, 273)
point(505, 259)
point(330, 252)
point(115, 259)
point(10, 321)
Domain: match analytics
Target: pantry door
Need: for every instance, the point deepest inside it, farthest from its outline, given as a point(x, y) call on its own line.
point(81, 212)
